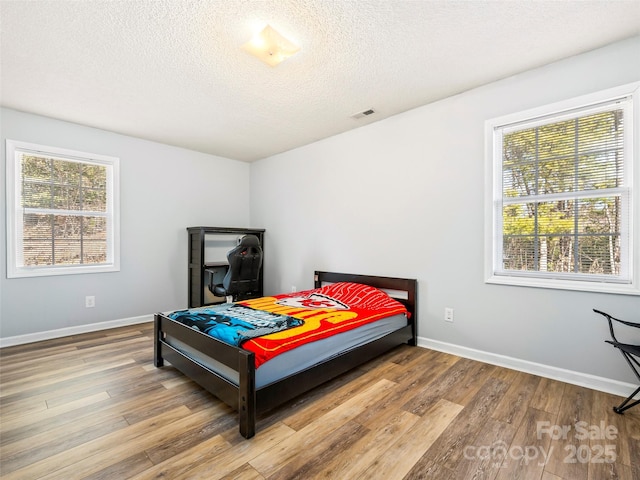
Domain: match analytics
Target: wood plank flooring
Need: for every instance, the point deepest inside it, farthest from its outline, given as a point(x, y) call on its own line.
point(94, 406)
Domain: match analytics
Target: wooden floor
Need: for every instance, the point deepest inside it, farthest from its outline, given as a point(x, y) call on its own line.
point(94, 406)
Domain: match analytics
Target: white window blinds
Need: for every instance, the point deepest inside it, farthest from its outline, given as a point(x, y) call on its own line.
point(563, 195)
point(64, 211)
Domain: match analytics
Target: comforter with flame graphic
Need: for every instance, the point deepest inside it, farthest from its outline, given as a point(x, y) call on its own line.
point(303, 317)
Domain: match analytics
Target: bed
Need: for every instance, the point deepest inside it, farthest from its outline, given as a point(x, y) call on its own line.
point(229, 372)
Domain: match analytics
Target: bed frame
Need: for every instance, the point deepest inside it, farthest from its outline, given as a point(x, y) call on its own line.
point(248, 400)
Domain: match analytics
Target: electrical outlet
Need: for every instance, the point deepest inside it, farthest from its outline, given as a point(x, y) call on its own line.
point(89, 301)
point(294, 288)
point(448, 314)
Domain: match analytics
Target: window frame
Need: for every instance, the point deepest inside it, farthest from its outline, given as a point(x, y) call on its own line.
point(14, 149)
point(552, 113)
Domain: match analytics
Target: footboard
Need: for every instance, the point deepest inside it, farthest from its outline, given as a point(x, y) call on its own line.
point(241, 397)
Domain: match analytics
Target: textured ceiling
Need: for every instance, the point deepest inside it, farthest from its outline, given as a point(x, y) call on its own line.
point(173, 71)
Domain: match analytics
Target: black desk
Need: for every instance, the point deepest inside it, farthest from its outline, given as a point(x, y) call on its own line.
point(198, 290)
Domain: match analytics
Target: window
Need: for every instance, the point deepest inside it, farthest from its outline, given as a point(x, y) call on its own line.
point(62, 211)
point(562, 211)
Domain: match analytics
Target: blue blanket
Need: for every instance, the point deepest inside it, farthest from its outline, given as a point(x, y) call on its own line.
point(232, 323)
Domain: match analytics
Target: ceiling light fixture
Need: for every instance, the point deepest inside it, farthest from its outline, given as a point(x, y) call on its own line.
point(270, 46)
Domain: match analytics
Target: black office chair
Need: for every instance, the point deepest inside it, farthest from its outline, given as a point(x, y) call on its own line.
point(242, 279)
point(631, 354)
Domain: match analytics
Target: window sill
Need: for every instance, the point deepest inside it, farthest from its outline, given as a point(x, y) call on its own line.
point(54, 271)
point(561, 284)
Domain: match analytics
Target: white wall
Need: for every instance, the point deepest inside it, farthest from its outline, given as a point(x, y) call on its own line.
point(163, 190)
point(404, 197)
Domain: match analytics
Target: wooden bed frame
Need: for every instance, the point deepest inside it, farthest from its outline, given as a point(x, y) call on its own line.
point(248, 400)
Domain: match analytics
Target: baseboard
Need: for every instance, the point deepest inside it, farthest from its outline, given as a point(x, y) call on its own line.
point(602, 384)
point(65, 332)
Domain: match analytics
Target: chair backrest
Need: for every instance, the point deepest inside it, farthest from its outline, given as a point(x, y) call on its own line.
point(245, 261)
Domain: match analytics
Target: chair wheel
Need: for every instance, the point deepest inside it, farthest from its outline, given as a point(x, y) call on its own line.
point(617, 410)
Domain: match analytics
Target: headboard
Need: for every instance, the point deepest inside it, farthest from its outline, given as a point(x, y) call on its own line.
point(402, 289)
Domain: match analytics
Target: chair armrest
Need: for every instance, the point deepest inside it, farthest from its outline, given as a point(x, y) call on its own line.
point(610, 318)
point(630, 324)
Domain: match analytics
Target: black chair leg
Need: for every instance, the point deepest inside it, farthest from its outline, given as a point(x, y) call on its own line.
point(623, 406)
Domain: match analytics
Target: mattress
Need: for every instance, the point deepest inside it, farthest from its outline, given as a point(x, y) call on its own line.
point(302, 357)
